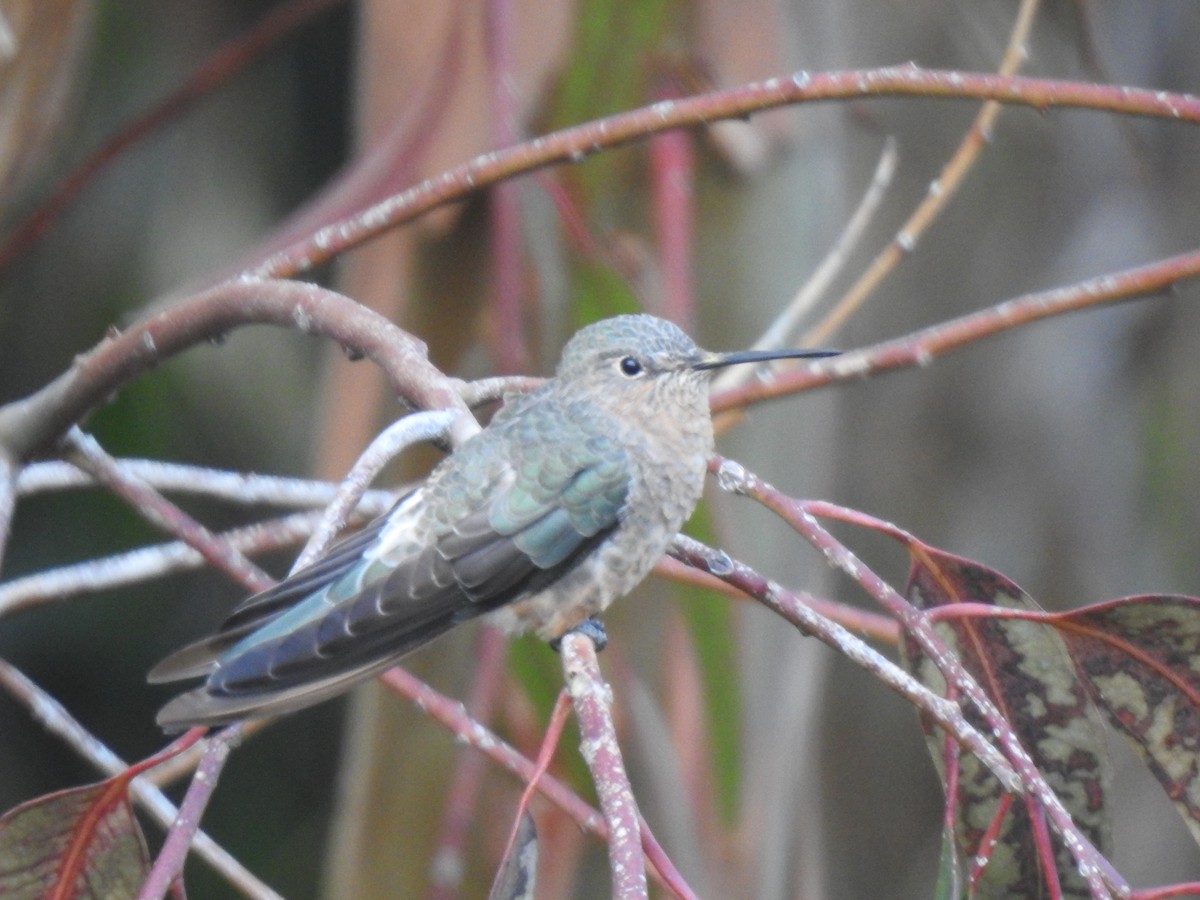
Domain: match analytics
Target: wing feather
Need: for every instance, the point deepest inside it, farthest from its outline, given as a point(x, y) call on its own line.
point(374, 598)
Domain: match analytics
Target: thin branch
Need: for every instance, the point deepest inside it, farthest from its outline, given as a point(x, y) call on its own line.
point(243, 488)
point(779, 334)
point(1103, 880)
point(86, 452)
point(134, 566)
point(920, 348)
point(940, 191)
point(55, 719)
point(598, 745)
point(862, 622)
point(390, 443)
point(488, 390)
point(32, 424)
point(797, 609)
point(574, 144)
point(183, 830)
point(452, 715)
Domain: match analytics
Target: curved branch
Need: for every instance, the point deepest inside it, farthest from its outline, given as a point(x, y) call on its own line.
point(31, 425)
point(573, 144)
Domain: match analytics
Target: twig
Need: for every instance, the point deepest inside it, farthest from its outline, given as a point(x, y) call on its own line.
point(243, 488)
point(868, 624)
point(86, 452)
point(558, 720)
point(780, 331)
point(598, 744)
point(487, 390)
point(389, 444)
point(795, 608)
point(174, 851)
point(1103, 880)
point(162, 559)
point(454, 717)
point(574, 144)
point(940, 191)
point(922, 347)
point(30, 425)
point(55, 719)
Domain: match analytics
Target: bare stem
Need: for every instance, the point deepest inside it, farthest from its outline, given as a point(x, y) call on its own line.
point(390, 443)
point(598, 744)
point(922, 347)
point(32, 424)
point(940, 191)
point(87, 453)
point(573, 144)
point(1103, 880)
point(795, 608)
point(143, 563)
point(174, 851)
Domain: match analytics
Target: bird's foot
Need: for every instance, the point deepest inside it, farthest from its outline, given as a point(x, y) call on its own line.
point(592, 629)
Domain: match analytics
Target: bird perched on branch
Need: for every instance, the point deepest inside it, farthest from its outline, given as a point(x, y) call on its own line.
point(562, 504)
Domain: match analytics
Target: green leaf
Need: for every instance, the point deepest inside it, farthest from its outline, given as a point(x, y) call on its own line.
point(78, 843)
point(950, 880)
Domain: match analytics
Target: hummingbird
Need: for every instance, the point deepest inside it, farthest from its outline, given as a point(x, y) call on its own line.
point(563, 503)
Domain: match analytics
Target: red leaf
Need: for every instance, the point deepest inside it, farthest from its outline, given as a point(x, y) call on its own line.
point(79, 843)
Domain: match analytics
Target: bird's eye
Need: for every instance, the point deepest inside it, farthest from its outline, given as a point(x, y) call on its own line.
point(630, 367)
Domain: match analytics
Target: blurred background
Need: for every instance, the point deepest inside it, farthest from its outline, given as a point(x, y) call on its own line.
point(1060, 454)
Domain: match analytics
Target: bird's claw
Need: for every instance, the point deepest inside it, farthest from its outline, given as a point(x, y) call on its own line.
point(592, 629)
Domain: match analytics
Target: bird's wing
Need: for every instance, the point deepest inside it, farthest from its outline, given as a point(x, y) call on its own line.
point(199, 658)
point(355, 612)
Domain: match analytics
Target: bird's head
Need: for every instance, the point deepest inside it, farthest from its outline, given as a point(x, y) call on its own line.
point(628, 361)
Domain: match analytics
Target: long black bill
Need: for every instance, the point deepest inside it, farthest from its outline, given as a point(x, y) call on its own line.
point(720, 360)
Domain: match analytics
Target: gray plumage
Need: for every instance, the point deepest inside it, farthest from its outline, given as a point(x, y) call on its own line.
point(562, 504)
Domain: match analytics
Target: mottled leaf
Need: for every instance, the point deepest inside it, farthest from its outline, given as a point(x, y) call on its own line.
point(1142, 657)
point(79, 843)
point(1027, 672)
point(517, 877)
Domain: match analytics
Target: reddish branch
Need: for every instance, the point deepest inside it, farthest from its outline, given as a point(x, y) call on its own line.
point(573, 144)
point(598, 746)
point(1102, 878)
point(86, 452)
point(455, 718)
point(33, 424)
point(921, 347)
